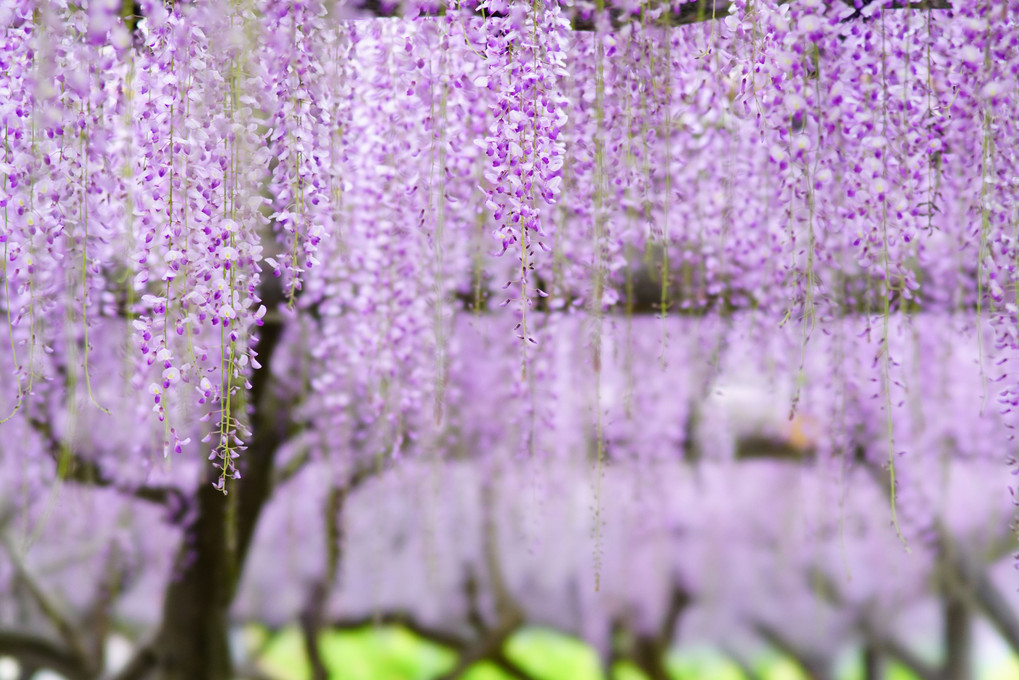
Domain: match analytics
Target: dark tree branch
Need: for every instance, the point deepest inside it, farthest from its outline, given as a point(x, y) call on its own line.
point(488, 647)
point(873, 668)
point(507, 609)
point(816, 667)
point(877, 641)
point(648, 650)
point(740, 661)
point(965, 578)
point(72, 467)
point(918, 5)
point(491, 639)
point(681, 15)
point(140, 665)
point(313, 616)
point(67, 629)
point(895, 649)
point(510, 667)
point(32, 650)
point(251, 672)
point(311, 628)
point(291, 469)
point(444, 638)
point(957, 637)
point(98, 617)
point(474, 617)
point(27, 671)
point(406, 620)
point(971, 582)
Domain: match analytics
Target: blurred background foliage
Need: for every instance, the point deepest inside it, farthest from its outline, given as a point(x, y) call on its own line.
point(394, 653)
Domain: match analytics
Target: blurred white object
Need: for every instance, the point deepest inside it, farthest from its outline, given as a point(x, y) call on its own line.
point(744, 412)
point(9, 668)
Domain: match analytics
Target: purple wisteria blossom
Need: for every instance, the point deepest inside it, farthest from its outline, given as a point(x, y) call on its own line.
point(469, 315)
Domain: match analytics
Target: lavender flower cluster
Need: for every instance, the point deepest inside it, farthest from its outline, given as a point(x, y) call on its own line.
point(787, 158)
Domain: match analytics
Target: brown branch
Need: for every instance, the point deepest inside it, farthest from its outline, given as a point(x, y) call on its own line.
point(474, 617)
point(72, 467)
point(1001, 546)
point(487, 648)
point(491, 640)
point(403, 620)
point(311, 627)
point(904, 655)
point(98, 617)
point(510, 667)
point(291, 468)
point(875, 639)
point(140, 665)
point(957, 637)
point(32, 650)
point(507, 609)
point(648, 650)
point(741, 662)
point(68, 631)
point(313, 615)
point(814, 666)
point(252, 672)
point(918, 5)
point(269, 424)
point(444, 638)
point(873, 666)
point(680, 600)
point(973, 585)
point(964, 578)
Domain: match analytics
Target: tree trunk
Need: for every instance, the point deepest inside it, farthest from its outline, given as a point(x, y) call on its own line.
point(649, 656)
point(193, 639)
point(872, 666)
point(958, 638)
point(192, 643)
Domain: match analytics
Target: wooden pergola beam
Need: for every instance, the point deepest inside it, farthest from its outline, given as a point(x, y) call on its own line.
point(687, 13)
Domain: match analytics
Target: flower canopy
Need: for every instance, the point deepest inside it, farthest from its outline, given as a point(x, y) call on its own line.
point(263, 235)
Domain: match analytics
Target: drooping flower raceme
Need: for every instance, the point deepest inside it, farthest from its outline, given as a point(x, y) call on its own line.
point(793, 159)
point(526, 49)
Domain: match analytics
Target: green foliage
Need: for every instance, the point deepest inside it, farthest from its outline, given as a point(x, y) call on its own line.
point(548, 655)
point(703, 664)
point(384, 653)
point(393, 653)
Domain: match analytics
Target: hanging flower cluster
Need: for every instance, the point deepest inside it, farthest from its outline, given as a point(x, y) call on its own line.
point(526, 52)
point(196, 212)
point(378, 299)
point(296, 95)
point(789, 232)
point(806, 160)
point(20, 165)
